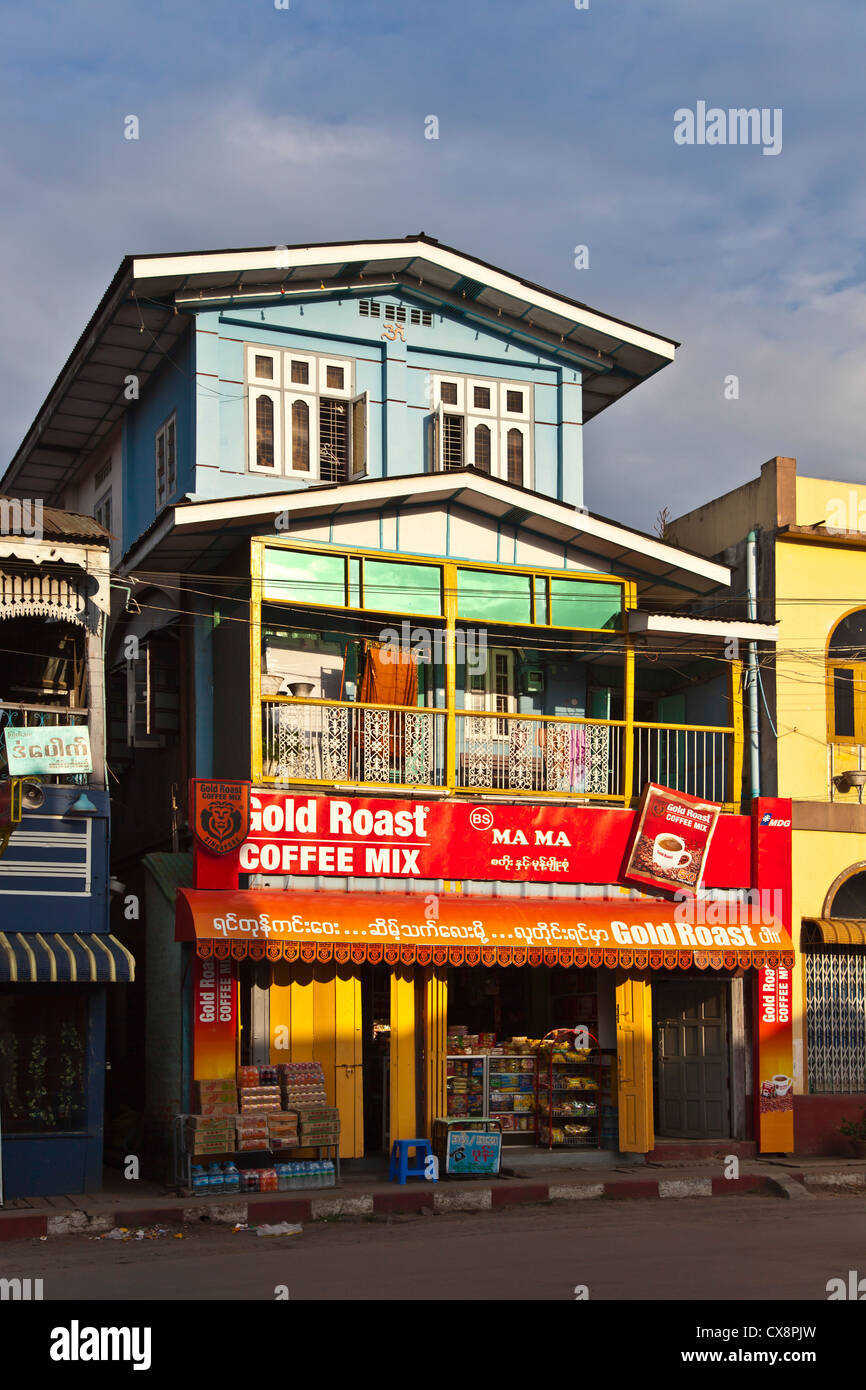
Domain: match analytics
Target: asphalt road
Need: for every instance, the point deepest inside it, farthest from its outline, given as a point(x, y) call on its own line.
point(754, 1248)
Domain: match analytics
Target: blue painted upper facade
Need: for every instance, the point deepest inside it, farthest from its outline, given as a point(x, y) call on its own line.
point(393, 366)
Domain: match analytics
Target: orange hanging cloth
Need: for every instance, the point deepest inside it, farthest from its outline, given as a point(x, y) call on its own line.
point(388, 682)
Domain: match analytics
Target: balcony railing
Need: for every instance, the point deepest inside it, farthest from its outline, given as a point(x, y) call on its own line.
point(688, 757)
point(17, 716)
point(333, 743)
point(324, 741)
point(504, 753)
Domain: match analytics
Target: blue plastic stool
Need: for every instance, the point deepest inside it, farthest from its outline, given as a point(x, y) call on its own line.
point(399, 1169)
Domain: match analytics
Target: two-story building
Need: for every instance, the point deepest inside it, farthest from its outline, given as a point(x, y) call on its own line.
point(57, 957)
point(349, 485)
point(797, 545)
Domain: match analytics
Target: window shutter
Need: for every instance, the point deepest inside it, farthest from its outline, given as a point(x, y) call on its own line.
point(153, 693)
point(435, 437)
point(359, 435)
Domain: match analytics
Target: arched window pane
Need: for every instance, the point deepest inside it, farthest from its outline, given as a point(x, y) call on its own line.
point(264, 432)
point(850, 898)
point(843, 703)
point(848, 642)
point(301, 436)
point(482, 448)
point(515, 457)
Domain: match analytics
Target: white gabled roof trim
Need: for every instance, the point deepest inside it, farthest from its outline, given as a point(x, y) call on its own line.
point(702, 627)
point(295, 258)
point(376, 492)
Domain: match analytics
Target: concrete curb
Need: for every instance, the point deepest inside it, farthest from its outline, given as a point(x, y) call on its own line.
point(413, 1199)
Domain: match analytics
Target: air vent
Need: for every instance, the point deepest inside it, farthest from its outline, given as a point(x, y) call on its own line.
point(394, 313)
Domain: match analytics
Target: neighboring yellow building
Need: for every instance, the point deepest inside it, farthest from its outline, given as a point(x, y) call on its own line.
point(808, 543)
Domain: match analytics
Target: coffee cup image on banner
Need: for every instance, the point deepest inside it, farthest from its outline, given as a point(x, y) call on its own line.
point(669, 852)
point(777, 1093)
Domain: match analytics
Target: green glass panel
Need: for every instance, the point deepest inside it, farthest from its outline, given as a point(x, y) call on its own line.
point(291, 576)
point(541, 599)
point(494, 595)
point(584, 603)
point(354, 582)
point(395, 587)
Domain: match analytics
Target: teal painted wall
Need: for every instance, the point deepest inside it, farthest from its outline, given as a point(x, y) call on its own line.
point(171, 388)
point(204, 383)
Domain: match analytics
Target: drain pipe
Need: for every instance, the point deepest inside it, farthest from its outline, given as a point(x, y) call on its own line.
point(752, 597)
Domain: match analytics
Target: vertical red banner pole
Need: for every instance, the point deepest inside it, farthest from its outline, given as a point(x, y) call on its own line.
point(219, 815)
point(773, 1076)
point(215, 1020)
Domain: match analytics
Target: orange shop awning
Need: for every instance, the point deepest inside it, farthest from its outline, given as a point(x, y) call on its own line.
point(458, 929)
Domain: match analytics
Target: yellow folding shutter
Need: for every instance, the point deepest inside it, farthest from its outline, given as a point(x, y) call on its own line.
point(435, 1045)
point(404, 1119)
point(634, 1062)
point(320, 1007)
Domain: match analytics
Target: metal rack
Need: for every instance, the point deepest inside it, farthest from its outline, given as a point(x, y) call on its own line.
point(478, 1068)
point(559, 1104)
point(182, 1156)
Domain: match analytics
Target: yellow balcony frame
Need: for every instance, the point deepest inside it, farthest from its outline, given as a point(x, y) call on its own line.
point(451, 713)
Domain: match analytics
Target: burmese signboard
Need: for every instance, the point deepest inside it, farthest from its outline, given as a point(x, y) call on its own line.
point(363, 837)
point(608, 929)
point(47, 750)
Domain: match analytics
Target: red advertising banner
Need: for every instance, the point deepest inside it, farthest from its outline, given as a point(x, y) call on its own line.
point(774, 1061)
point(672, 839)
point(214, 984)
point(390, 838)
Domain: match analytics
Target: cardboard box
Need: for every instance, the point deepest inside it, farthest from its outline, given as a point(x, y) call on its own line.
point(317, 1114)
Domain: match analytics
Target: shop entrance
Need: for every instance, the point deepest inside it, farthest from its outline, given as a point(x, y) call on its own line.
point(376, 1024)
point(691, 1058)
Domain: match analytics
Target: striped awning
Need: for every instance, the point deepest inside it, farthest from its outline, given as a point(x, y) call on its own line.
point(834, 931)
point(64, 958)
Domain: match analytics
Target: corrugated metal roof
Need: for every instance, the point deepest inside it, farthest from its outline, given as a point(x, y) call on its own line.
point(170, 871)
point(69, 525)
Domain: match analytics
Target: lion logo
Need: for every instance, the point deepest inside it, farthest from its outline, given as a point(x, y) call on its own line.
point(220, 814)
point(220, 821)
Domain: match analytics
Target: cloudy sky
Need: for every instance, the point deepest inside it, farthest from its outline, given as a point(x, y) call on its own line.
point(261, 125)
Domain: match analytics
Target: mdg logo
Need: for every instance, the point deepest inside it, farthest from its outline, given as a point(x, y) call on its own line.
point(767, 819)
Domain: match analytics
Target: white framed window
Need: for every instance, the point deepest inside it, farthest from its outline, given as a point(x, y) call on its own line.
point(263, 367)
point(165, 461)
point(265, 429)
point(482, 397)
point(335, 377)
point(514, 444)
point(102, 510)
point(514, 401)
point(306, 422)
point(299, 371)
point(482, 442)
point(451, 391)
point(302, 433)
point(482, 423)
point(493, 690)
